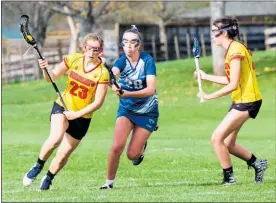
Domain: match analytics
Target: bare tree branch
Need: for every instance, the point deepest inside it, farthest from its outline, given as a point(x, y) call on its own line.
point(58, 7)
point(68, 5)
point(90, 9)
point(102, 9)
point(61, 11)
point(49, 15)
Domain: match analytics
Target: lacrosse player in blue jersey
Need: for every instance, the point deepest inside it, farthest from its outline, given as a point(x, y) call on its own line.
point(138, 109)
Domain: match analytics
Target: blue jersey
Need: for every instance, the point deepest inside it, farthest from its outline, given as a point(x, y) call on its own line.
point(134, 79)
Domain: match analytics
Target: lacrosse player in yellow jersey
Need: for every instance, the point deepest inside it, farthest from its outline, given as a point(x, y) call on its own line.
point(85, 92)
point(241, 82)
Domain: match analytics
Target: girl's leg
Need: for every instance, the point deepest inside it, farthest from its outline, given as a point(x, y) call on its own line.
point(67, 146)
point(59, 124)
point(236, 149)
point(137, 143)
point(122, 129)
point(233, 121)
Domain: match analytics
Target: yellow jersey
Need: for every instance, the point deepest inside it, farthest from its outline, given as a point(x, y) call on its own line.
point(248, 89)
point(81, 86)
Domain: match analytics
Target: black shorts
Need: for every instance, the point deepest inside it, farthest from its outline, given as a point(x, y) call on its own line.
point(252, 107)
point(77, 127)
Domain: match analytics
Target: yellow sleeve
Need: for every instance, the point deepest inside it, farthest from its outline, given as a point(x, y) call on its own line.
point(104, 79)
point(237, 52)
point(68, 60)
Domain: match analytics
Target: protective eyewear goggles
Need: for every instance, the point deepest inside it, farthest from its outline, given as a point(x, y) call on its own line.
point(94, 49)
point(132, 42)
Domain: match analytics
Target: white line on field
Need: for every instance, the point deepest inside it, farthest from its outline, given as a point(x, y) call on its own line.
point(166, 149)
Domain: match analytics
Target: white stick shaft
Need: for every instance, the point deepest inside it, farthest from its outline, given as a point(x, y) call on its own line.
point(198, 77)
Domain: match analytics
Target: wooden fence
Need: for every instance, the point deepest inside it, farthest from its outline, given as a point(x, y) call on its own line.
point(270, 38)
point(18, 67)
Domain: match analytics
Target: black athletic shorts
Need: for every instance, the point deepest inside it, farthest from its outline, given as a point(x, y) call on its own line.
point(77, 127)
point(252, 107)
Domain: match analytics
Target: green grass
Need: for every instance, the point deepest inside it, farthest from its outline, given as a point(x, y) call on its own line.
point(180, 164)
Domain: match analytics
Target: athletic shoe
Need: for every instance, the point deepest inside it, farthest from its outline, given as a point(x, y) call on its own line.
point(29, 177)
point(106, 187)
point(259, 165)
point(45, 183)
point(136, 162)
point(228, 179)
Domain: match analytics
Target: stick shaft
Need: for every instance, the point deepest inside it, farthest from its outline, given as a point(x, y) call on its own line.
point(53, 83)
point(113, 78)
point(198, 74)
point(198, 77)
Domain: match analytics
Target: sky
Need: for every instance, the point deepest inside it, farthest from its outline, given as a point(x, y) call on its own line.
point(11, 33)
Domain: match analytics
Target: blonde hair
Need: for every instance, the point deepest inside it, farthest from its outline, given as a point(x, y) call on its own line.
point(93, 36)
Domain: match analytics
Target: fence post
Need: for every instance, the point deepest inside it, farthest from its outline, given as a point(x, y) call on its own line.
point(270, 38)
point(117, 37)
point(203, 44)
point(166, 49)
point(176, 46)
point(59, 45)
point(3, 70)
point(4, 55)
point(21, 61)
point(153, 45)
point(244, 37)
point(188, 45)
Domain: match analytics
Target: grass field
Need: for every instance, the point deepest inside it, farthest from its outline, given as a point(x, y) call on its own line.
point(180, 164)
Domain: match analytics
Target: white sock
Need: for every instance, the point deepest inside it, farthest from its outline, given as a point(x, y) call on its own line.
point(109, 182)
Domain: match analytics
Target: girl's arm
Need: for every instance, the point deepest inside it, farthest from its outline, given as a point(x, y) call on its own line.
point(232, 85)
point(222, 80)
point(116, 71)
point(55, 73)
point(98, 102)
point(146, 92)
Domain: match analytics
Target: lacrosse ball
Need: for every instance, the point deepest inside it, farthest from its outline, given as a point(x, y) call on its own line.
point(29, 37)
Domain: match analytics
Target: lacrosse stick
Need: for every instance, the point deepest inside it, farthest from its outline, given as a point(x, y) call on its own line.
point(196, 51)
point(24, 20)
point(113, 78)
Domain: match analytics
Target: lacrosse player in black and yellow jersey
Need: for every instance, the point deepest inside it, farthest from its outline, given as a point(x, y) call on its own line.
point(85, 92)
point(241, 82)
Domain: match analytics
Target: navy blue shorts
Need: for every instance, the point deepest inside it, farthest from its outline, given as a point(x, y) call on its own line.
point(77, 127)
point(252, 107)
point(147, 122)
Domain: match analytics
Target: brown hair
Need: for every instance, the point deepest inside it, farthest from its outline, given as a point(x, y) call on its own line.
point(135, 30)
point(230, 25)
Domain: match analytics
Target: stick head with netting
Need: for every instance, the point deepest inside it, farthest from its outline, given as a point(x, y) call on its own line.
point(24, 21)
point(196, 48)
